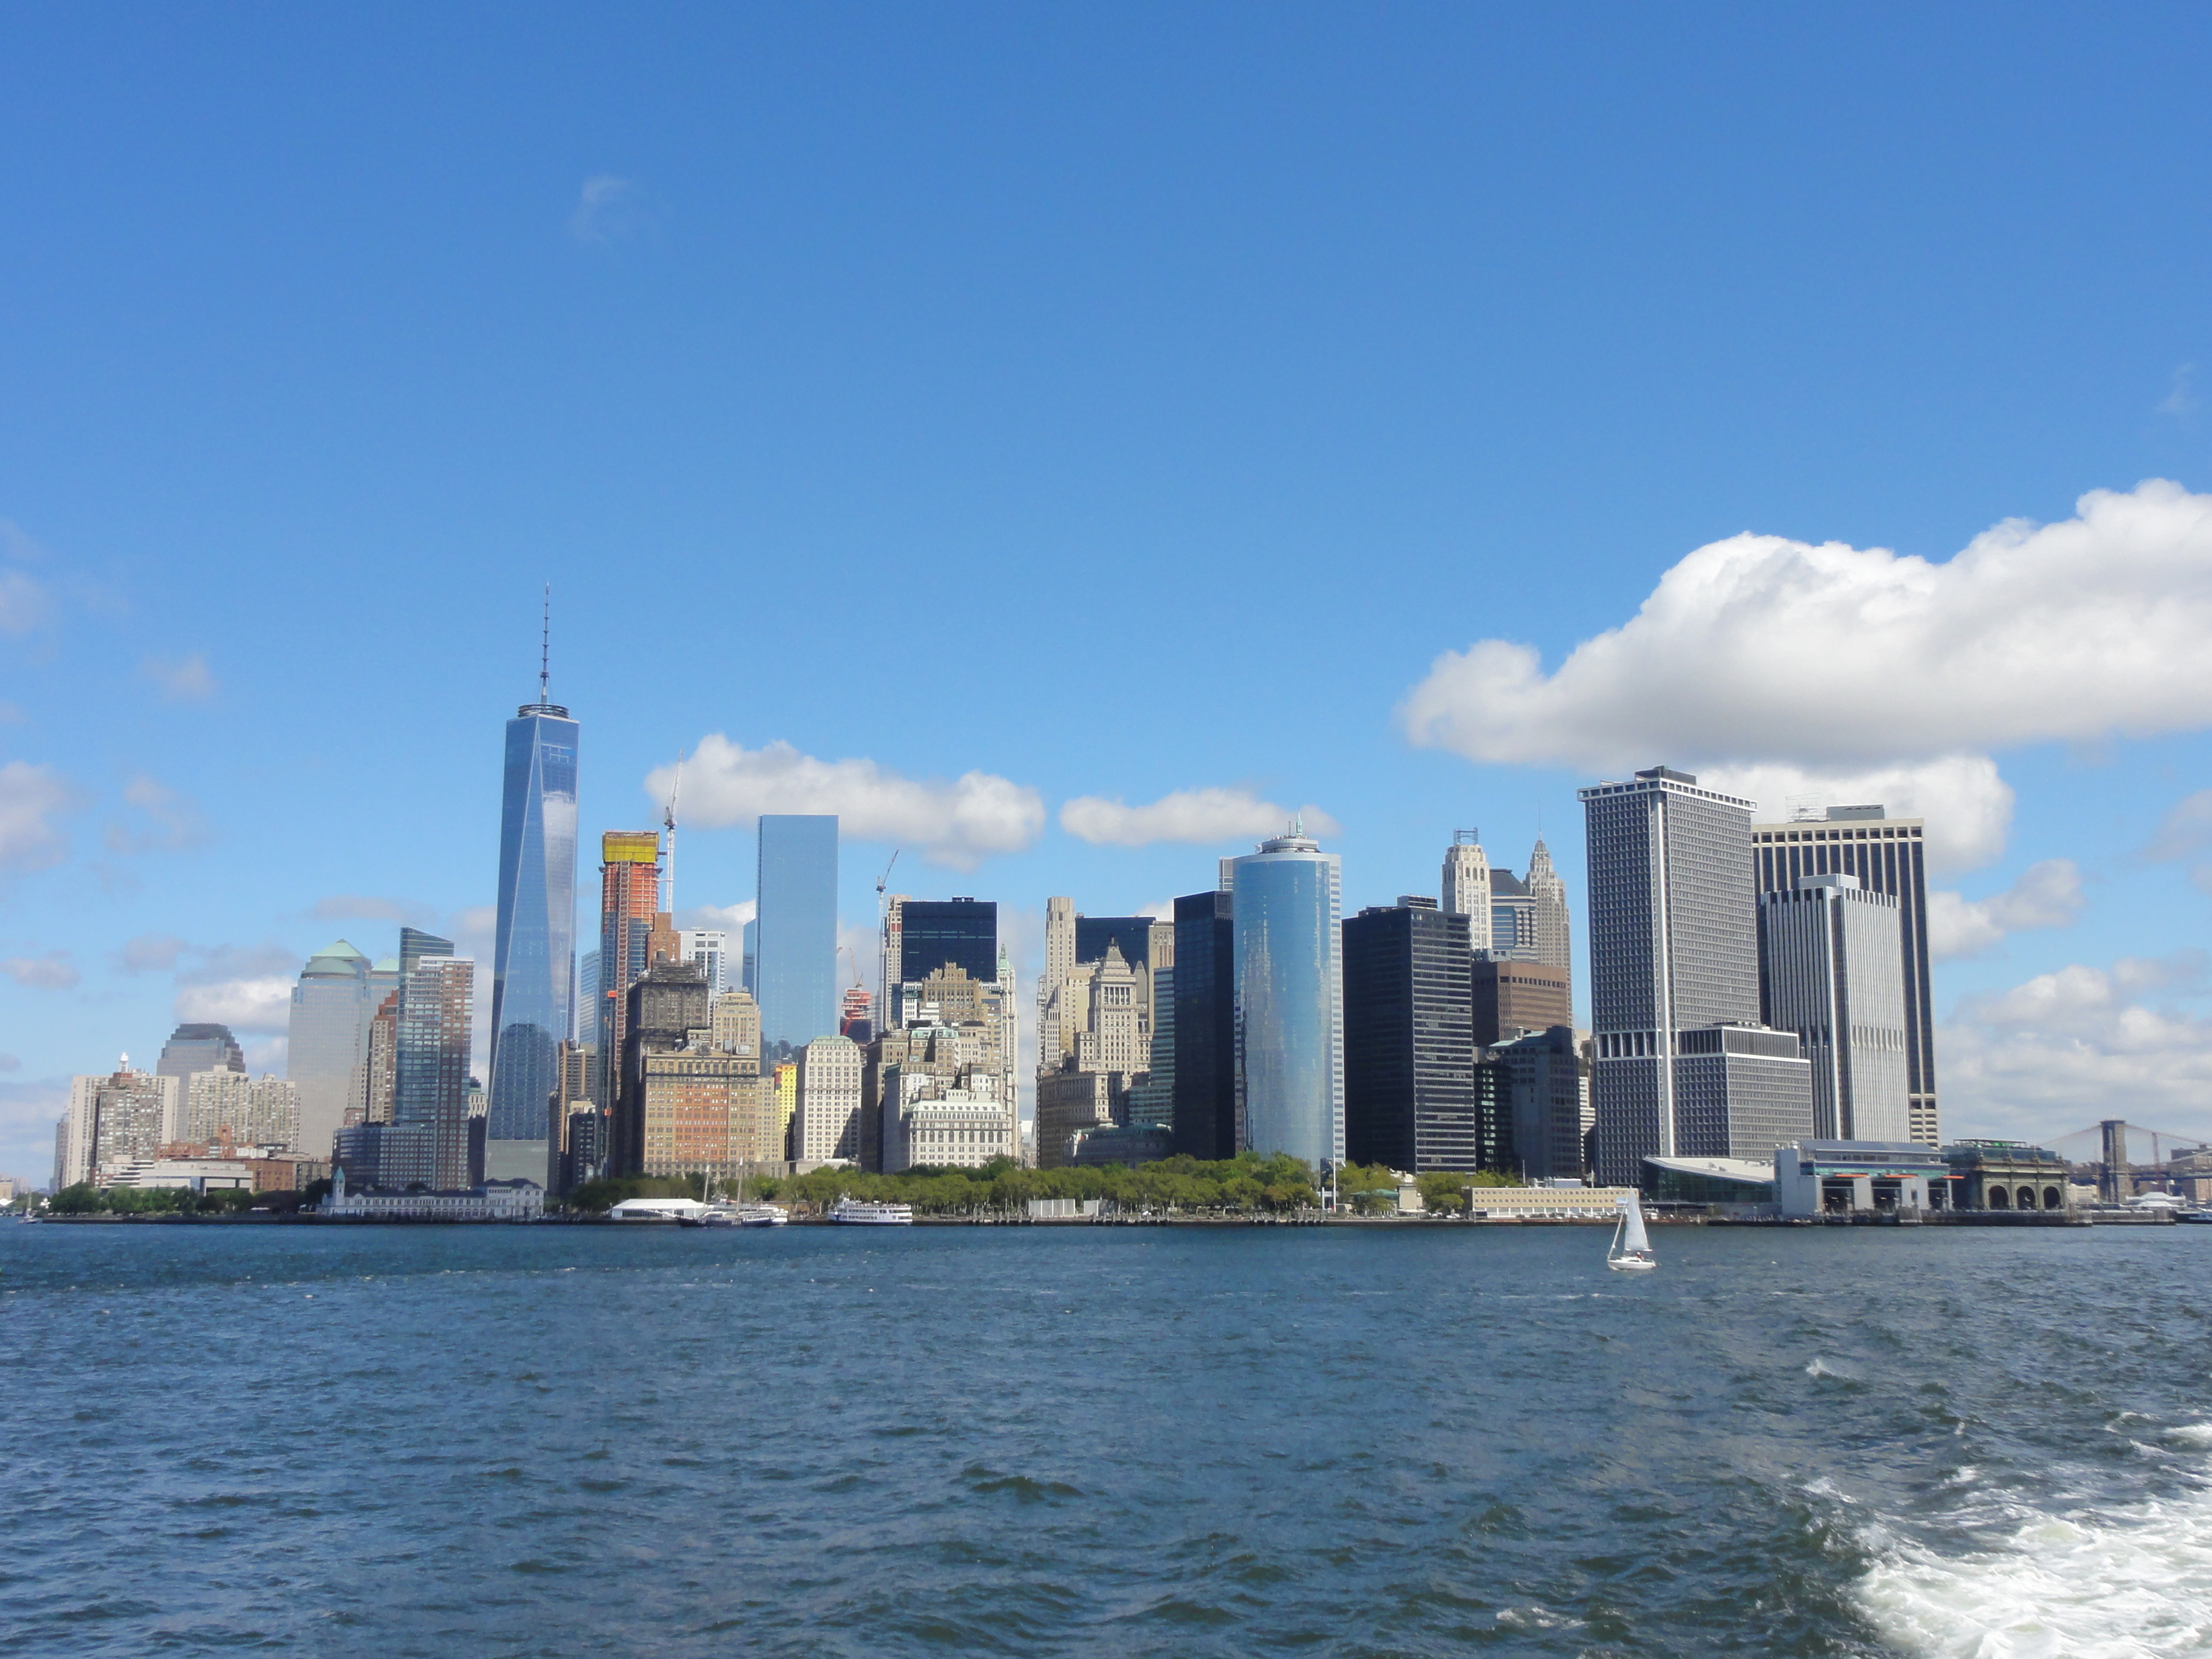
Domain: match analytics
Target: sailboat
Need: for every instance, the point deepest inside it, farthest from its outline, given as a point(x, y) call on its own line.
point(1631, 1250)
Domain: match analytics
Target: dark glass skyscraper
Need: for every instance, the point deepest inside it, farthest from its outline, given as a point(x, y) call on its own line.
point(1206, 1026)
point(795, 966)
point(533, 961)
point(960, 931)
point(1408, 1039)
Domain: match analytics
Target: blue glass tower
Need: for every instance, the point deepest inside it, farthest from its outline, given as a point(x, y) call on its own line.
point(1290, 1000)
point(795, 961)
point(533, 962)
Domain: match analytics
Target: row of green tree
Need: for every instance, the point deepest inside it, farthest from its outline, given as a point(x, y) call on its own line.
point(1248, 1184)
point(85, 1199)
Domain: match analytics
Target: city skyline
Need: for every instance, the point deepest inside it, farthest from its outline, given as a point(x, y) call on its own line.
point(1418, 460)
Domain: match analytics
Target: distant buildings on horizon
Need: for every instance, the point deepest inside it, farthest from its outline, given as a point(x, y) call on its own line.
point(1751, 985)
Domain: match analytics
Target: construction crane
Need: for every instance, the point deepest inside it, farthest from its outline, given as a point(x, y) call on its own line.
point(668, 823)
point(846, 950)
point(883, 880)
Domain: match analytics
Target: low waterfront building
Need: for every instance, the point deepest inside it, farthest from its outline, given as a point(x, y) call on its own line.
point(1847, 1177)
point(193, 1174)
point(2007, 1175)
point(1736, 1184)
point(1560, 1203)
point(494, 1200)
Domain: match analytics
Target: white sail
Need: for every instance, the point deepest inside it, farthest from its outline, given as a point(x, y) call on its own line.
point(1633, 1238)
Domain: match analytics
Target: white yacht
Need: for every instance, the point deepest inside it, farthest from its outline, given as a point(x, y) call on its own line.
point(851, 1212)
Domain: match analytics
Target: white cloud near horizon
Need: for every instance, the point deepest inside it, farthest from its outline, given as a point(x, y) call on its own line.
point(262, 1004)
point(2046, 894)
point(31, 798)
point(1968, 806)
point(724, 918)
point(1760, 653)
point(1197, 816)
point(957, 823)
point(2064, 1049)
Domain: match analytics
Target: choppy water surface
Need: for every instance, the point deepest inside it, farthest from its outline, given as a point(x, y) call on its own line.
point(1041, 1440)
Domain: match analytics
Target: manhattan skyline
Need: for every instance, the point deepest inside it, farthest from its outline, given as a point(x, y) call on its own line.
point(1068, 499)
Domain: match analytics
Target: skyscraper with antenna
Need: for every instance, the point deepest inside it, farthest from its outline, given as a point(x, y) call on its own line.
point(533, 962)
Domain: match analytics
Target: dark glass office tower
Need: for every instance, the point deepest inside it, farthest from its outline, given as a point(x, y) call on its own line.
point(1409, 1099)
point(960, 931)
point(795, 966)
point(1206, 1026)
point(533, 952)
point(1131, 935)
point(199, 1048)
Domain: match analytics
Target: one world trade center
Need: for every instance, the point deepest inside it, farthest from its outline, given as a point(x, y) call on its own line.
point(533, 967)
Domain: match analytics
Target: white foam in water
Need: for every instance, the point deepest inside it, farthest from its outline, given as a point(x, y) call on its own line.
point(2192, 1434)
point(2133, 1583)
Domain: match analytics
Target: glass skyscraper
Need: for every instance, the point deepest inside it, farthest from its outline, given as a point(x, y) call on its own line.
point(533, 954)
point(795, 965)
point(1290, 1000)
point(961, 932)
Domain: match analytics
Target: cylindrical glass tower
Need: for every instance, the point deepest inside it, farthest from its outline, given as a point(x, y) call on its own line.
point(1290, 1000)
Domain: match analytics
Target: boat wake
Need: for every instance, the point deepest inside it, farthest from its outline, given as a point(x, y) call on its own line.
point(2122, 1584)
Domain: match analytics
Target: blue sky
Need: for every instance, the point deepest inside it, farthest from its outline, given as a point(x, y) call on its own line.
point(1108, 403)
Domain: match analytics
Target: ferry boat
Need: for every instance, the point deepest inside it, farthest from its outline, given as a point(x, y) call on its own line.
point(851, 1212)
point(761, 1215)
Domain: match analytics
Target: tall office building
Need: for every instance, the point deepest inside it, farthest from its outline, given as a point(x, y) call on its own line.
point(1512, 999)
point(1290, 1000)
point(223, 1105)
point(1552, 931)
point(1408, 1039)
point(749, 956)
point(199, 1048)
point(629, 904)
point(533, 969)
point(115, 1119)
point(1512, 918)
point(709, 948)
point(1544, 1105)
point(827, 1124)
point(1205, 1025)
point(661, 1011)
point(430, 1066)
point(1075, 947)
point(328, 1040)
point(1151, 1104)
point(1682, 1065)
point(587, 1022)
point(795, 971)
point(1467, 886)
point(1831, 970)
point(1886, 855)
point(958, 932)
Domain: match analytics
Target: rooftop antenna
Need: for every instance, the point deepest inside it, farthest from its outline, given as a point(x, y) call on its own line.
point(546, 646)
point(668, 823)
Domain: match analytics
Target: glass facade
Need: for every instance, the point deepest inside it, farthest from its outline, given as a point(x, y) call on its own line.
point(1206, 1027)
point(1408, 1041)
point(1289, 1002)
point(962, 932)
point(328, 1046)
point(795, 961)
point(1131, 935)
point(533, 953)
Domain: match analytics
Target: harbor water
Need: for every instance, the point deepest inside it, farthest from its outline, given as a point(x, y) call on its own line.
point(1035, 1441)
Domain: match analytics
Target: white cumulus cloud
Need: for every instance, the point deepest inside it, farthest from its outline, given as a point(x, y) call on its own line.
point(1201, 817)
point(724, 918)
point(2064, 1049)
point(260, 1004)
point(1844, 662)
point(2047, 894)
point(31, 798)
point(1968, 806)
point(958, 823)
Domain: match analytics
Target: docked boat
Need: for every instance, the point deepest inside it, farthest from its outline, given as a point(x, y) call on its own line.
point(852, 1212)
point(1631, 1250)
point(761, 1215)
